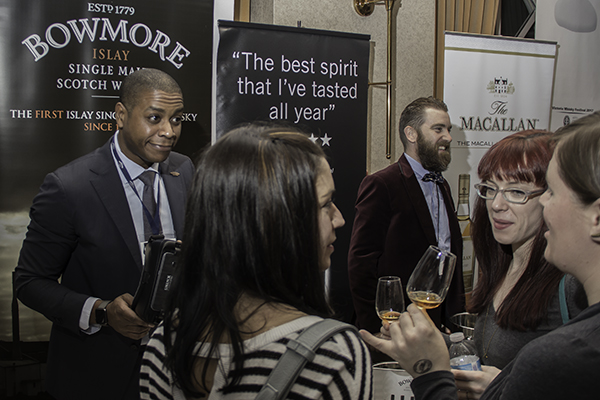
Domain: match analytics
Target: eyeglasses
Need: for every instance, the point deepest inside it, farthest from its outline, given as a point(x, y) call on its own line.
point(512, 195)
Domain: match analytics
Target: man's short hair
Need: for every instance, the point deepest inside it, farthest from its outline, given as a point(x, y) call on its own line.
point(414, 114)
point(143, 80)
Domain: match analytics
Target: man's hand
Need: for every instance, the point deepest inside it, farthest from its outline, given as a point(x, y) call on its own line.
point(415, 343)
point(123, 319)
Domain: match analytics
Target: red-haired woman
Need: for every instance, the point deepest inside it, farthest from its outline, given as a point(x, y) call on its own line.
point(518, 294)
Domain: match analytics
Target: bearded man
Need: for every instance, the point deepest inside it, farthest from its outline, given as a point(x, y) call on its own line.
point(403, 209)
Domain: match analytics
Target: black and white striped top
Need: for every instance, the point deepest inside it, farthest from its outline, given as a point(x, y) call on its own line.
point(340, 370)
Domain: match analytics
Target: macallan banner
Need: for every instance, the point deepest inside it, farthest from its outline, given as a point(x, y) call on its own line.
point(494, 86)
point(63, 62)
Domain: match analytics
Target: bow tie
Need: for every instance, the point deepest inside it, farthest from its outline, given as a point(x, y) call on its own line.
point(433, 177)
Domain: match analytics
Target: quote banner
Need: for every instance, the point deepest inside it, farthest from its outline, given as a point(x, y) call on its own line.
point(315, 79)
point(494, 86)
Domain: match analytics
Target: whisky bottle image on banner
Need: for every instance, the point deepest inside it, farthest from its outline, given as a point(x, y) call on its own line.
point(463, 214)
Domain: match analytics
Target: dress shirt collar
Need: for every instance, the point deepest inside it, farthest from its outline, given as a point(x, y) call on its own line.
point(133, 168)
point(416, 167)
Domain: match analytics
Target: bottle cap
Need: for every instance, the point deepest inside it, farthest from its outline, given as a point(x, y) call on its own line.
point(457, 337)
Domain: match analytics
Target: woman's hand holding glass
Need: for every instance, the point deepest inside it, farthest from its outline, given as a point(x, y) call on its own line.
point(415, 343)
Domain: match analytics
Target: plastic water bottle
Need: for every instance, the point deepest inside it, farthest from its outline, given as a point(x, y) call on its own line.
point(462, 353)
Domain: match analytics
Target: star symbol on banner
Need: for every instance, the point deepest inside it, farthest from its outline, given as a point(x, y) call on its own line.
point(326, 140)
point(313, 138)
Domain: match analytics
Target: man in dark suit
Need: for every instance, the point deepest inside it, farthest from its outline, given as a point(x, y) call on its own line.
point(81, 259)
point(401, 210)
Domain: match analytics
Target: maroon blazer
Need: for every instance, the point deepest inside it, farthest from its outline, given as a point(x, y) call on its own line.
point(392, 229)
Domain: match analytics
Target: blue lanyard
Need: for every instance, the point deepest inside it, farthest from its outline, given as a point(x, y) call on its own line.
point(154, 221)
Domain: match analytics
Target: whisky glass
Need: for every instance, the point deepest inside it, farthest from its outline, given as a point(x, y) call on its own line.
point(428, 285)
point(389, 299)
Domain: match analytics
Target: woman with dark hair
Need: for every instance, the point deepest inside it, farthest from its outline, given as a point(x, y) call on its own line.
point(260, 227)
point(557, 365)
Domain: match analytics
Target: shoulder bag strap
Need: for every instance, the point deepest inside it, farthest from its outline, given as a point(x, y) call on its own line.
point(298, 353)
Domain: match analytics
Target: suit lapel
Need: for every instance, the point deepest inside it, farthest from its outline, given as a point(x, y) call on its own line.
point(417, 199)
point(109, 189)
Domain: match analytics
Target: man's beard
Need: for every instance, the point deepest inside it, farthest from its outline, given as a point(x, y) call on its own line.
point(430, 156)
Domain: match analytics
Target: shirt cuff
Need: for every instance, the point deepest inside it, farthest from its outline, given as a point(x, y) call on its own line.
point(84, 319)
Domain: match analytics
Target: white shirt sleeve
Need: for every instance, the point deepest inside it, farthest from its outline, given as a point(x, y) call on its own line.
point(84, 319)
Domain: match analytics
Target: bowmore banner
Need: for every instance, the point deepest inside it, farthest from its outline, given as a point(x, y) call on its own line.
point(62, 63)
point(315, 79)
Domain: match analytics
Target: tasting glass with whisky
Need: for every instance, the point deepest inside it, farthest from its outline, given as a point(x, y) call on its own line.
point(428, 285)
point(389, 300)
